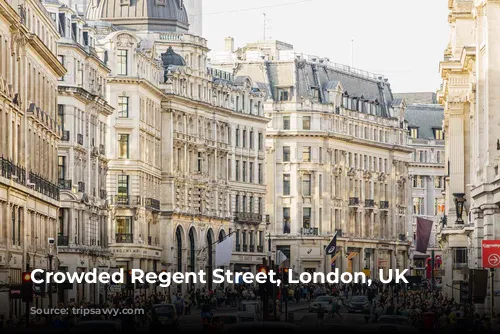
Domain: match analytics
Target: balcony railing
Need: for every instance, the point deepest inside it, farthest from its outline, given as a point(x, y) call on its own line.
point(384, 205)
point(124, 238)
point(245, 248)
point(153, 204)
point(43, 186)
point(238, 247)
point(79, 139)
point(309, 231)
point(260, 249)
point(126, 200)
point(12, 171)
point(65, 185)
point(369, 203)
point(247, 218)
point(353, 201)
point(62, 240)
point(65, 136)
point(153, 241)
point(252, 248)
point(81, 187)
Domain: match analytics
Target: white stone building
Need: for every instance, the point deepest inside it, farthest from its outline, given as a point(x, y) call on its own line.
point(82, 166)
point(29, 135)
point(427, 172)
point(337, 158)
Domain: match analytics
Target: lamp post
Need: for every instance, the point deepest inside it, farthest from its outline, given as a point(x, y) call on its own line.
point(459, 206)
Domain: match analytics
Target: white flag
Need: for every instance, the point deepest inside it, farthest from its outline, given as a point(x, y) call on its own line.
point(280, 257)
point(223, 252)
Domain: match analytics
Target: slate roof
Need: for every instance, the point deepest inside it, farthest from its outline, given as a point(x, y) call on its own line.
point(426, 117)
point(420, 97)
point(152, 15)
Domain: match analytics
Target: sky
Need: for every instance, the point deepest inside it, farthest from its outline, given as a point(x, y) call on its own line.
point(404, 40)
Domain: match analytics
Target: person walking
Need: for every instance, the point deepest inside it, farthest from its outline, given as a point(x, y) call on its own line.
point(336, 308)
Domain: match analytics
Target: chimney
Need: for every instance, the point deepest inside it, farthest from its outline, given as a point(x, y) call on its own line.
point(229, 44)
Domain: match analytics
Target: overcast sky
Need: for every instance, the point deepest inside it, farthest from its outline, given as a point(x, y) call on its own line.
point(403, 40)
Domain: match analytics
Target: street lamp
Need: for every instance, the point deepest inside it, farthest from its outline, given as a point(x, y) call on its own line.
point(459, 206)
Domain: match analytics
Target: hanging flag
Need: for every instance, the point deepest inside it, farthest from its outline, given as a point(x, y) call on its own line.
point(352, 255)
point(332, 246)
point(424, 228)
point(223, 252)
point(280, 257)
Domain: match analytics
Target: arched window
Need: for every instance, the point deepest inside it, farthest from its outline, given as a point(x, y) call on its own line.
point(178, 235)
point(222, 235)
point(191, 251)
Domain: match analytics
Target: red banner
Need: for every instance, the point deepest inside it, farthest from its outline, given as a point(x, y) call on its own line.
point(491, 253)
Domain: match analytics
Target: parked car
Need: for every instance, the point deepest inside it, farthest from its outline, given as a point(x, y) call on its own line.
point(163, 316)
point(102, 326)
point(357, 304)
point(324, 301)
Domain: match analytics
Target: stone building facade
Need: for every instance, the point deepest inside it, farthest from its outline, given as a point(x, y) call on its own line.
point(337, 159)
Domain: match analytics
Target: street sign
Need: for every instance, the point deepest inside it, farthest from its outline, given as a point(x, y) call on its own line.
point(491, 253)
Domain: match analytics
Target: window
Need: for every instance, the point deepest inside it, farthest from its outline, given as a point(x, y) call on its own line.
point(438, 206)
point(61, 60)
point(123, 149)
point(418, 206)
point(244, 171)
point(123, 107)
point(251, 172)
point(460, 257)
point(306, 123)
point(237, 203)
point(439, 157)
point(261, 142)
point(418, 182)
point(261, 238)
point(306, 218)
point(237, 170)
point(62, 168)
point(200, 162)
point(283, 94)
point(306, 185)
point(438, 182)
point(123, 229)
point(306, 154)
point(261, 175)
point(237, 137)
point(121, 61)
point(251, 204)
point(413, 132)
point(251, 139)
point(244, 204)
point(438, 134)
point(286, 122)
point(123, 185)
point(286, 184)
point(244, 139)
point(286, 153)
point(286, 220)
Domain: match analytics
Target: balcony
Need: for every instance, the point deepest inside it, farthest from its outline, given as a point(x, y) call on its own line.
point(260, 249)
point(126, 200)
point(353, 201)
point(309, 231)
point(384, 205)
point(47, 188)
point(65, 136)
point(12, 171)
point(121, 238)
point(252, 248)
point(65, 185)
point(79, 139)
point(247, 218)
point(62, 240)
point(81, 187)
point(245, 248)
point(102, 150)
point(152, 204)
point(238, 247)
point(369, 203)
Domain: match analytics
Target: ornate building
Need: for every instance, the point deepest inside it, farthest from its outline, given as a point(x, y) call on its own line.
point(29, 135)
point(82, 166)
point(186, 145)
point(427, 175)
point(337, 158)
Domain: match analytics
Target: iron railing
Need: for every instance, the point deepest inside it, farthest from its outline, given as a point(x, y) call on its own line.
point(247, 217)
point(126, 200)
point(369, 203)
point(260, 249)
point(43, 186)
point(124, 238)
point(151, 203)
point(384, 205)
point(309, 231)
point(12, 171)
point(353, 201)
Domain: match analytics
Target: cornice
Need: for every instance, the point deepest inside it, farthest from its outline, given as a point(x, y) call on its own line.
point(46, 55)
point(137, 81)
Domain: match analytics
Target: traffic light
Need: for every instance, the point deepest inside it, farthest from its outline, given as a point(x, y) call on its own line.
point(39, 288)
point(27, 288)
point(285, 276)
point(265, 288)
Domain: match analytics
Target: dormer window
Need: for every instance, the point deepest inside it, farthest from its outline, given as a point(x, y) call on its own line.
point(283, 94)
point(122, 62)
point(315, 94)
point(413, 132)
point(438, 134)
